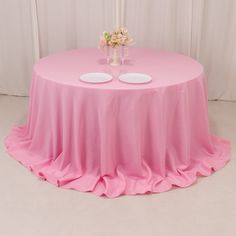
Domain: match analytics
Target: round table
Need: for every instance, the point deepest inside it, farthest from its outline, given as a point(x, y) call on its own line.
point(115, 138)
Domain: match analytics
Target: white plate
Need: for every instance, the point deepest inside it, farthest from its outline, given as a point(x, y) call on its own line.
point(135, 78)
point(96, 78)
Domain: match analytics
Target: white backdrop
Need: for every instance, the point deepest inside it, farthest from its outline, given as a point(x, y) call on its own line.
point(203, 29)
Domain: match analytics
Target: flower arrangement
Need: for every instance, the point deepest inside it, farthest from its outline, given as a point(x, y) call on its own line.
point(116, 38)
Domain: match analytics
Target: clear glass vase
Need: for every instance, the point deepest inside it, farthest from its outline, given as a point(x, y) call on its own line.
point(123, 53)
point(115, 59)
point(108, 54)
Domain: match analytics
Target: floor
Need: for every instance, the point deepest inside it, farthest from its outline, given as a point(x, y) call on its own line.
point(30, 207)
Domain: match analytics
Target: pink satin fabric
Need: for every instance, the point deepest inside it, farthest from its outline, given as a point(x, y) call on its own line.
point(115, 138)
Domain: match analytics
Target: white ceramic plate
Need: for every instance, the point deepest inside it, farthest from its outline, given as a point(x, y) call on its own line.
point(96, 78)
point(135, 78)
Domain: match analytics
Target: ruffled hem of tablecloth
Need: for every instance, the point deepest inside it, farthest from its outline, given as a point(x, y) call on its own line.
point(121, 184)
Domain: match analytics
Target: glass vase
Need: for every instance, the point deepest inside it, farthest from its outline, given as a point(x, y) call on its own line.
point(123, 53)
point(115, 60)
point(108, 54)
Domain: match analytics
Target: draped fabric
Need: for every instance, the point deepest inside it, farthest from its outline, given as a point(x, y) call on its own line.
point(117, 138)
point(203, 29)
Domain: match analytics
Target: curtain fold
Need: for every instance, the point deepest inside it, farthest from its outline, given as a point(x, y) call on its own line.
point(202, 29)
point(68, 24)
point(16, 47)
point(216, 48)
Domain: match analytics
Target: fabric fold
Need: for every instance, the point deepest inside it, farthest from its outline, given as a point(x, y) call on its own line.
point(117, 141)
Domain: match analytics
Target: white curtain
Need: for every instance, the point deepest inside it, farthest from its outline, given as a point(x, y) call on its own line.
point(16, 46)
point(67, 24)
point(202, 29)
point(164, 23)
point(216, 47)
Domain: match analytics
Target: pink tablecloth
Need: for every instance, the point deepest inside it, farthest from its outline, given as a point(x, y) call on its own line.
point(115, 138)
